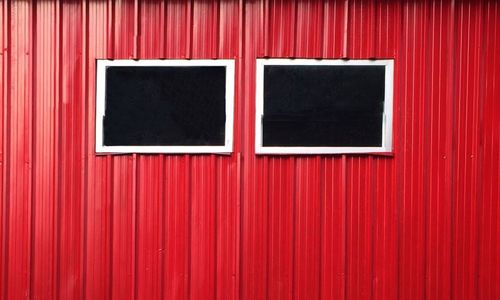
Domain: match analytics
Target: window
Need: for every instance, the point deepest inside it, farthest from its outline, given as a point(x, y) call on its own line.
point(164, 106)
point(307, 106)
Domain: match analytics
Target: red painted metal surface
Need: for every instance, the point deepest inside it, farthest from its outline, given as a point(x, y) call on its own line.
point(422, 224)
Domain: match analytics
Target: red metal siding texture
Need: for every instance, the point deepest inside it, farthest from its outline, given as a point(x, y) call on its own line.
point(422, 224)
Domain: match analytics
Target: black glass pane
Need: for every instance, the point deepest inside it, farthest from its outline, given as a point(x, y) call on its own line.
point(172, 106)
point(323, 105)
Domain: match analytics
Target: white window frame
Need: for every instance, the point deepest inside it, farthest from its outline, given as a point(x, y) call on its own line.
point(386, 121)
point(102, 64)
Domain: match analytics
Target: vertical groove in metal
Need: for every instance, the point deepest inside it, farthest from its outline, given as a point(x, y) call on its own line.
point(421, 224)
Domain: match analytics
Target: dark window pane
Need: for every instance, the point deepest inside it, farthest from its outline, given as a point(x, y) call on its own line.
point(171, 106)
point(323, 105)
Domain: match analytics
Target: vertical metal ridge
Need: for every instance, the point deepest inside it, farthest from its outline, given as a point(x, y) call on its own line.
point(6, 98)
point(85, 147)
point(135, 225)
point(451, 120)
point(239, 148)
point(111, 176)
point(427, 112)
point(34, 107)
point(346, 30)
point(265, 25)
point(481, 145)
point(137, 28)
point(190, 219)
point(372, 198)
point(58, 148)
point(216, 206)
point(321, 224)
point(345, 227)
point(399, 140)
point(293, 164)
point(5, 21)
point(162, 231)
point(190, 28)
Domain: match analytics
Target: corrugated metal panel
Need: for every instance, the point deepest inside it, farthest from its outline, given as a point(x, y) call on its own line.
point(421, 224)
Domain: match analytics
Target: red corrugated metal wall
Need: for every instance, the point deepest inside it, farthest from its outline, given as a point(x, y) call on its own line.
point(423, 224)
